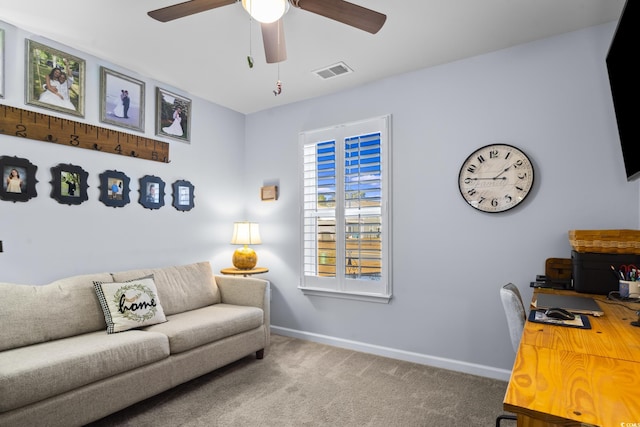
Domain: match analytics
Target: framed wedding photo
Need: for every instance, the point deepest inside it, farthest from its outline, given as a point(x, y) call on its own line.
point(54, 79)
point(114, 188)
point(121, 100)
point(151, 192)
point(69, 184)
point(173, 115)
point(183, 195)
point(18, 179)
point(1, 63)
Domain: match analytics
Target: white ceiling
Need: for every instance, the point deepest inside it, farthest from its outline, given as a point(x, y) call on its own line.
point(205, 54)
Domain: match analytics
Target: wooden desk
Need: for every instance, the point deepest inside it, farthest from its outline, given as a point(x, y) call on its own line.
point(578, 377)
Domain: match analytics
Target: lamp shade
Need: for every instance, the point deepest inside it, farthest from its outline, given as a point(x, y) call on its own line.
point(246, 233)
point(265, 11)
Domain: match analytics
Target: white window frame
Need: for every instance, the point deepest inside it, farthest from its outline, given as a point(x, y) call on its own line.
point(340, 286)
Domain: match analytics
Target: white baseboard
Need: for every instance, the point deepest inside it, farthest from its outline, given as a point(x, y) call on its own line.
point(423, 359)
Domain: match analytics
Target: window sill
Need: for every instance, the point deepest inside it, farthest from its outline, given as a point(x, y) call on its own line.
point(378, 298)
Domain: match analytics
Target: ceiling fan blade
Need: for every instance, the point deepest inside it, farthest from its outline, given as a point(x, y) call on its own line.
point(275, 48)
point(187, 8)
point(348, 13)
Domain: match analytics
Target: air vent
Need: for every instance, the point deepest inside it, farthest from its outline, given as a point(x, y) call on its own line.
point(334, 70)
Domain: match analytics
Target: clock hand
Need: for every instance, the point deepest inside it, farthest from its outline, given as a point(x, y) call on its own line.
point(486, 179)
point(506, 169)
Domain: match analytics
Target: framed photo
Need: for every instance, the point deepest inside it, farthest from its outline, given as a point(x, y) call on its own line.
point(69, 184)
point(151, 192)
point(173, 115)
point(1, 63)
point(55, 79)
point(121, 100)
point(183, 195)
point(114, 188)
point(18, 179)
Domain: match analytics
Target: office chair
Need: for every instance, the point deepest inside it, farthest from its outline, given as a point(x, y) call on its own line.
point(516, 317)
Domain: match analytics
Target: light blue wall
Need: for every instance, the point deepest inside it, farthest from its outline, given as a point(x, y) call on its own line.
point(44, 240)
point(550, 98)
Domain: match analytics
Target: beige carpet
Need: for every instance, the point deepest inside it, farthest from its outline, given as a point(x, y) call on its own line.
point(302, 383)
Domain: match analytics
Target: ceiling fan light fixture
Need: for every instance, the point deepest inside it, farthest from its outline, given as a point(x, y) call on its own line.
point(265, 11)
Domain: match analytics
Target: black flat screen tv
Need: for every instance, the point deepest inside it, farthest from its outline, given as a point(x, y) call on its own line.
point(624, 79)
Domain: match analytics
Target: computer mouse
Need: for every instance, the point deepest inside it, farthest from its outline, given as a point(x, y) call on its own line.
point(559, 313)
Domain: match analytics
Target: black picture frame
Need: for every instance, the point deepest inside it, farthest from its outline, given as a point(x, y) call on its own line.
point(69, 184)
point(183, 195)
point(114, 188)
point(151, 192)
point(24, 172)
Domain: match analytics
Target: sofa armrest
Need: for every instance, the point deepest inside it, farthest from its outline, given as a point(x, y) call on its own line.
point(239, 290)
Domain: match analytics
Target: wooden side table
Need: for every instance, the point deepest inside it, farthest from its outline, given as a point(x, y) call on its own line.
point(236, 271)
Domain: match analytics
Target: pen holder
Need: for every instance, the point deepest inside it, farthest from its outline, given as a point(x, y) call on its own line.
point(634, 289)
point(627, 287)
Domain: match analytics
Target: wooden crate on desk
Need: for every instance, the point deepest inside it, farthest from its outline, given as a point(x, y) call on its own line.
point(605, 241)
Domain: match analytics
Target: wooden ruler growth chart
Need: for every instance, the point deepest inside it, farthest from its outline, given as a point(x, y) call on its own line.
point(42, 127)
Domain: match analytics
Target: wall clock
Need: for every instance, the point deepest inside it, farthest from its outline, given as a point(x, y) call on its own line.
point(496, 178)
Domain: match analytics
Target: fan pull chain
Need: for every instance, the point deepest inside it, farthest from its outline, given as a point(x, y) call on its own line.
point(250, 57)
point(278, 89)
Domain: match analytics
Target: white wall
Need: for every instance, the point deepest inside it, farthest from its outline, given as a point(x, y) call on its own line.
point(550, 98)
point(44, 240)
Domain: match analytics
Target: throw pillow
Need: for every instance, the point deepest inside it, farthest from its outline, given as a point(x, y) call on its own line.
point(129, 305)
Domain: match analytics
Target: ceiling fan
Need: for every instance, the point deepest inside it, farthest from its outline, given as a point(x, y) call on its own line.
point(272, 32)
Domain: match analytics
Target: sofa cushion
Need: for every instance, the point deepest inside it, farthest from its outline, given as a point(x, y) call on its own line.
point(129, 305)
point(34, 314)
point(198, 327)
point(30, 374)
point(181, 288)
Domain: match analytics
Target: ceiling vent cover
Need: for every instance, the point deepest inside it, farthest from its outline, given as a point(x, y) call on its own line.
point(334, 70)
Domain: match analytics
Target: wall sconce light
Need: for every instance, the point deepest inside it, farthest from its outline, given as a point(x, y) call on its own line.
point(245, 233)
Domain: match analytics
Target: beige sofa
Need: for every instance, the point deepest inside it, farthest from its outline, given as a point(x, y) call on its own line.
point(60, 367)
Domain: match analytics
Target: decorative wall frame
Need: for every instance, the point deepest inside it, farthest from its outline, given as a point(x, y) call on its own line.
point(151, 192)
point(45, 83)
point(173, 115)
point(114, 188)
point(183, 195)
point(1, 63)
point(69, 184)
point(18, 179)
point(121, 100)
point(269, 193)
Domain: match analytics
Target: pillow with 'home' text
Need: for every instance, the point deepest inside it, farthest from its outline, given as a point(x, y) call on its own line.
point(130, 304)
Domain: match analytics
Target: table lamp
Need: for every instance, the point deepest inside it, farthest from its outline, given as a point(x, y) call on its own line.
point(245, 233)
